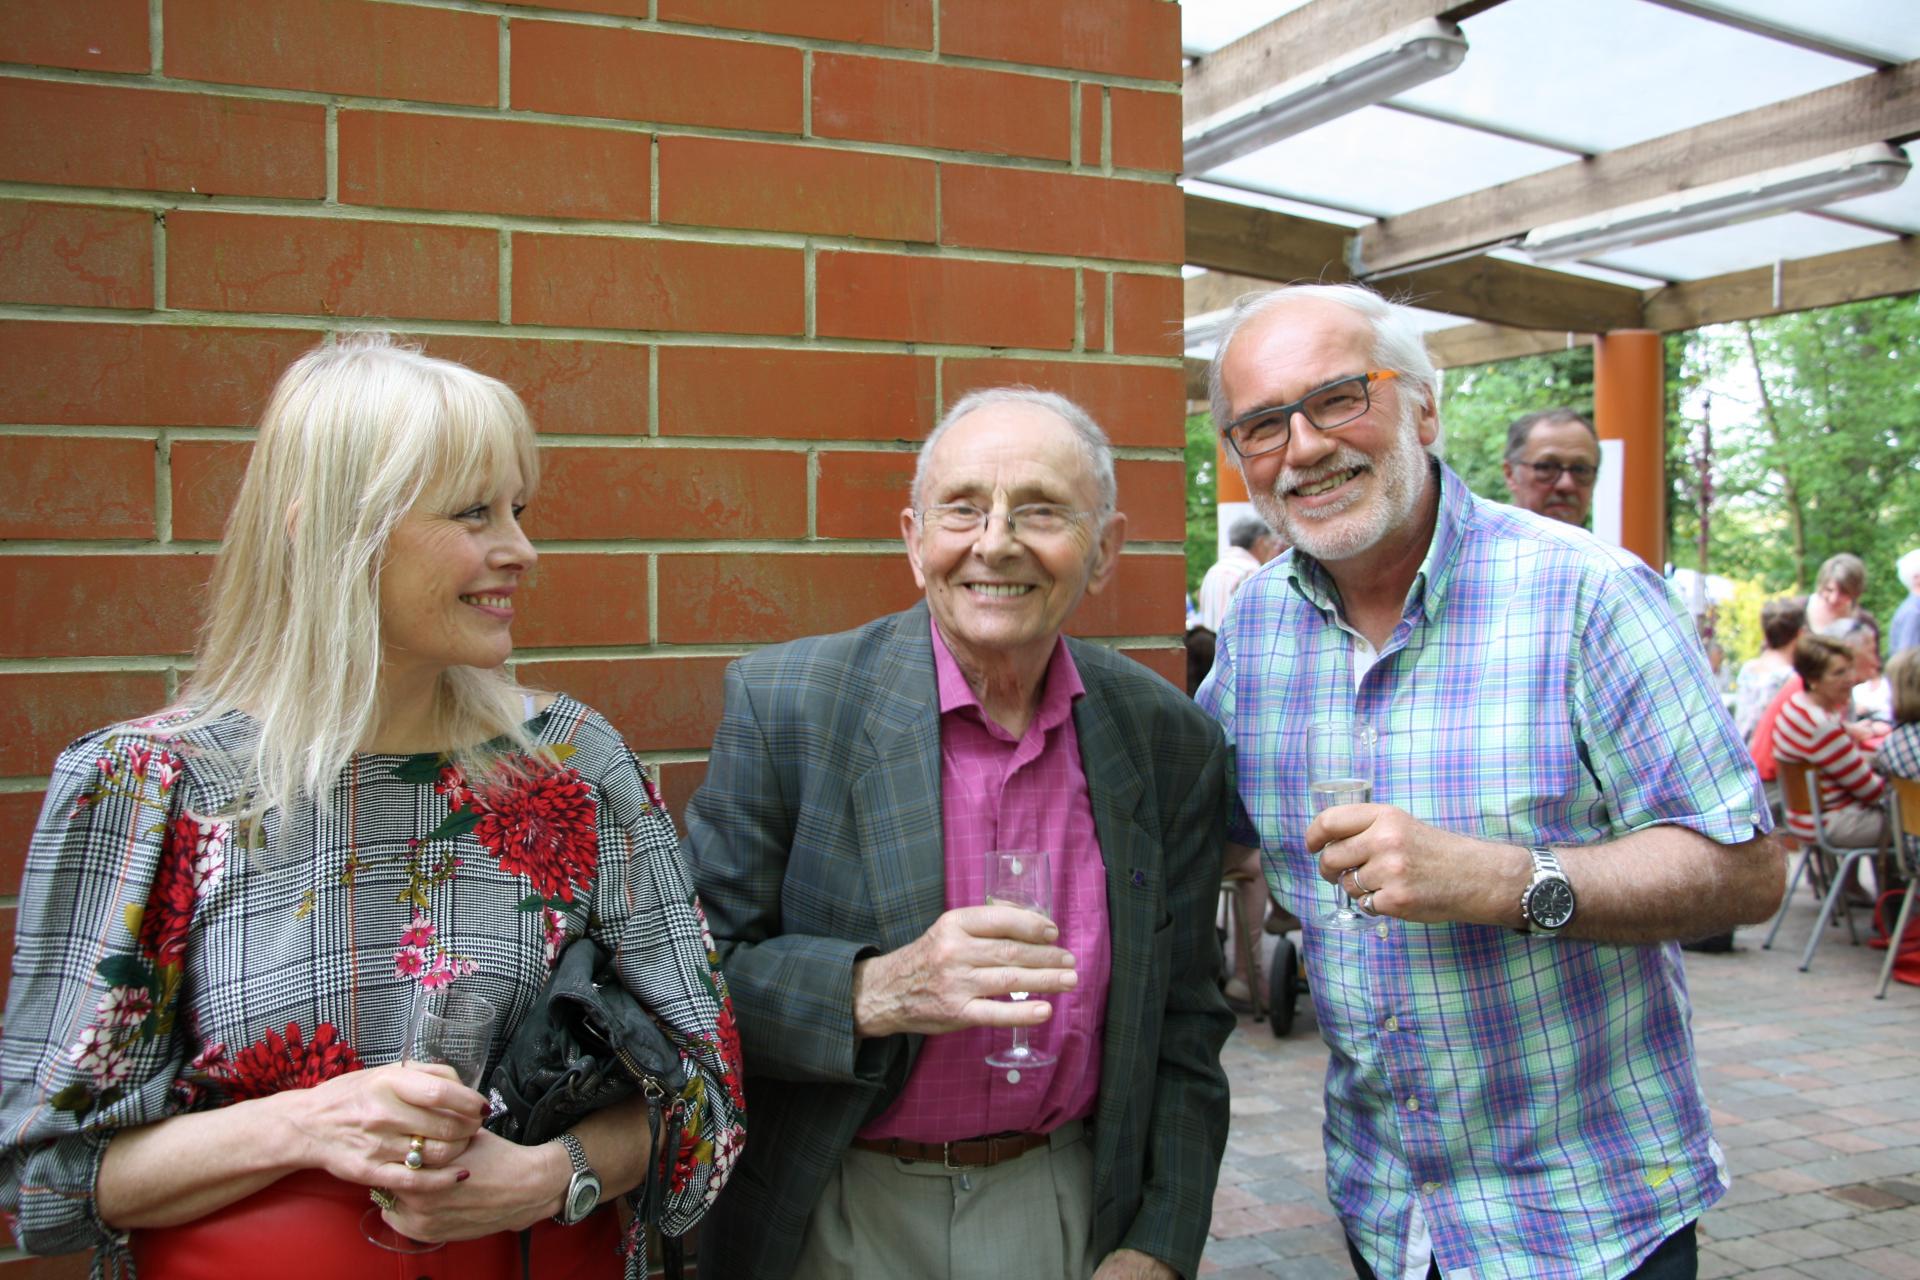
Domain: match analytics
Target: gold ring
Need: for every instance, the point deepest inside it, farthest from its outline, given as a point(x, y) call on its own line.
point(416, 1152)
point(382, 1197)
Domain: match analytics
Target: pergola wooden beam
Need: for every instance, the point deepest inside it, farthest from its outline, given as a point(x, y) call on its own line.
point(1266, 245)
point(1871, 271)
point(1295, 43)
point(1881, 107)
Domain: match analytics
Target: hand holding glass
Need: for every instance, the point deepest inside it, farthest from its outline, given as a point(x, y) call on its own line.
point(1020, 879)
point(448, 1028)
point(1340, 771)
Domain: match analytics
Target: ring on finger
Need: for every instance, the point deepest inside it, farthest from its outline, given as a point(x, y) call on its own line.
point(416, 1152)
point(382, 1197)
point(1366, 904)
point(1359, 890)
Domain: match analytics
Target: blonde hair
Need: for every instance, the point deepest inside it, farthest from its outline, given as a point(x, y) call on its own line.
point(1903, 677)
point(355, 434)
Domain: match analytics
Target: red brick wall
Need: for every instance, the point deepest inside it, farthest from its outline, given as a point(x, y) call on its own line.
point(734, 253)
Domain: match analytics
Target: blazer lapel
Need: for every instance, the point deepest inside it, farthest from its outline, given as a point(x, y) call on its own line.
point(896, 787)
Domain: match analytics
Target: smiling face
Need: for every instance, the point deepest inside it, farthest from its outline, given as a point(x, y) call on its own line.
point(1564, 498)
point(1334, 494)
point(448, 578)
point(998, 596)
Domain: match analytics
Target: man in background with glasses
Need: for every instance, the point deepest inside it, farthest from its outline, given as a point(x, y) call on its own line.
point(1553, 458)
point(857, 787)
point(1556, 798)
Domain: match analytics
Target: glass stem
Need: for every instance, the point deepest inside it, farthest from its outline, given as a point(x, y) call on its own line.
point(1020, 1041)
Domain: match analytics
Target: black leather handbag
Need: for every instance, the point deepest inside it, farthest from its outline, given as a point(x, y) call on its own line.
point(586, 1043)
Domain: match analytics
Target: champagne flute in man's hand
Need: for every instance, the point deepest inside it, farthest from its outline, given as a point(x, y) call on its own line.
point(1021, 879)
point(1340, 771)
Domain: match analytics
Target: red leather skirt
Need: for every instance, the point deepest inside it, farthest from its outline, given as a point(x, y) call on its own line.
point(307, 1227)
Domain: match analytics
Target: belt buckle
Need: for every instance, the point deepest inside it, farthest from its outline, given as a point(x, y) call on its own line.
point(946, 1160)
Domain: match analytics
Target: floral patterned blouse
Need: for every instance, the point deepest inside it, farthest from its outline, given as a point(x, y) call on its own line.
point(168, 959)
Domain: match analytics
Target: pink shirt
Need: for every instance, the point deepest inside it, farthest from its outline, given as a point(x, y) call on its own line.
point(998, 793)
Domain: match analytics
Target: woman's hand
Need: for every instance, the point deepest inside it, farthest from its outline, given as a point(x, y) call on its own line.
point(360, 1126)
point(510, 1187)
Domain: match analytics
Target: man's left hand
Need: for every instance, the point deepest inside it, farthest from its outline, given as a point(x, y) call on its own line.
point(1417, 872)
point(1131, 1264)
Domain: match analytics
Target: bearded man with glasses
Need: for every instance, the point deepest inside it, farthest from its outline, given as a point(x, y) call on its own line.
point(857, 786)
point(1553, 458)
point(1556, 798)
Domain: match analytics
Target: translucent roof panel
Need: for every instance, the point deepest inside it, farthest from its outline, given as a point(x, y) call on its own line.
point(1602, 74)
point(1898, 208)
point(1741, 247)
point(1888, 29)
point(1279, 204)
point(1384, 162)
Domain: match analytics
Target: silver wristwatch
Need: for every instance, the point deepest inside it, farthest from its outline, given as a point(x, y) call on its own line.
point(1547, 905)
point(583, 1189)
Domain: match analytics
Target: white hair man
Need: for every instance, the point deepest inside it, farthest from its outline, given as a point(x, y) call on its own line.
point(1557, 798)
point(858, 788)
point(1903, 629)
point(1250, 544)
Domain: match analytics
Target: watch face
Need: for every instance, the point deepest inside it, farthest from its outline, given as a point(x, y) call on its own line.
point(1550, 904)
point(582, 1196)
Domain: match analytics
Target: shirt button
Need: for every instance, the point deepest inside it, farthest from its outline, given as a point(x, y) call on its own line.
point(1413, 1104)
point(1393, 1024)
point(1380, 930)
point(1428, 1188)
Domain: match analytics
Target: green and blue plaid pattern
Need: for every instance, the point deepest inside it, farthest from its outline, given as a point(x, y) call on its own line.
point(1529, 1105)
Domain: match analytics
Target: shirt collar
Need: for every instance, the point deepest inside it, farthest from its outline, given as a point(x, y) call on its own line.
point(1062, 684)
point(1456, 514)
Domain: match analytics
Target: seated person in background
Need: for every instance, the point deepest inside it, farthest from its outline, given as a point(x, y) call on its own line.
point(1760, 678)
point(1900, 754)
point(1870, 710)
point(1903, 630)
point(1810, 730)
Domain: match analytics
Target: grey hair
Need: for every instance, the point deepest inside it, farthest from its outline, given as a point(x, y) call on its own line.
point(1397, 341)
point(1907, 569)
point(1246, 531)
point(1522, 427)
point(1094, 445)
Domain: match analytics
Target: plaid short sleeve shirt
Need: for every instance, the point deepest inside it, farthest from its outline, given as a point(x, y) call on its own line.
point(1524, 1106)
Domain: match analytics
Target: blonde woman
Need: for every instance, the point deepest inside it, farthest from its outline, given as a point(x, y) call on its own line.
point(229, 906)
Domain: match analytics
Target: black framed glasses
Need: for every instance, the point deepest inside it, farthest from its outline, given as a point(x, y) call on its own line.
point(1335, 405)
point(1034, 519)
point(1550, 472)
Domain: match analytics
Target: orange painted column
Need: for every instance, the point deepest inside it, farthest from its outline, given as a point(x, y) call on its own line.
point(1226, 472)
point(1629, 412)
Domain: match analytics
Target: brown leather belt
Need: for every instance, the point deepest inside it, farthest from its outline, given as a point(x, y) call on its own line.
point(968, 1153)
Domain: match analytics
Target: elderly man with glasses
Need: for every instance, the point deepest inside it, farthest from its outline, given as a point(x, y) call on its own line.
point(1553, 458)
point(859, 789)
point(1555, 797)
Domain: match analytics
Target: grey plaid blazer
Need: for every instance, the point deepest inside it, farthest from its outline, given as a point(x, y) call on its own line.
point(816, 841)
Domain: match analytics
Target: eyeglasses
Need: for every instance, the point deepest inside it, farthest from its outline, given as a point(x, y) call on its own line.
point(1032, 519)
point(1334, 405)
point(1550, 472)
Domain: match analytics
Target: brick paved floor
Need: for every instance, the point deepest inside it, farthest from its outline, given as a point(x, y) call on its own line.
point(1815, 1089)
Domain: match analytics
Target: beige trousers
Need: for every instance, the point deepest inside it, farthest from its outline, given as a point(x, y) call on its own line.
point(886, 1219)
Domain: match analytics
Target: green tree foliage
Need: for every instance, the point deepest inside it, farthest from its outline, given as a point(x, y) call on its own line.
point(1478, 402)
point(1815, 422)
point(1203, 497)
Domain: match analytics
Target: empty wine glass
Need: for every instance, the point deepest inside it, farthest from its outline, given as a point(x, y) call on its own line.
point(1340, 771)
point(1021, 879)
point(449, 1028)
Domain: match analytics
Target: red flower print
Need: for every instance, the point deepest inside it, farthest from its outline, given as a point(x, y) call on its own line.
point(192, 859)
point(542, 826)
point(419, 933)
point(276, 1063)
point(452, 783)
point(408, 962)
point(686, 1161)
point(730, 1054)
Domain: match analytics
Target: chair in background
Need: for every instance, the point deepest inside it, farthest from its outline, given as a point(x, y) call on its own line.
point(1904, 796)
point(1800, 787)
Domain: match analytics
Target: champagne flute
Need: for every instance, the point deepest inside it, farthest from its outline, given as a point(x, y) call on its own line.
point(1021, 879)
point(1340, 771)
point(449, 1028)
